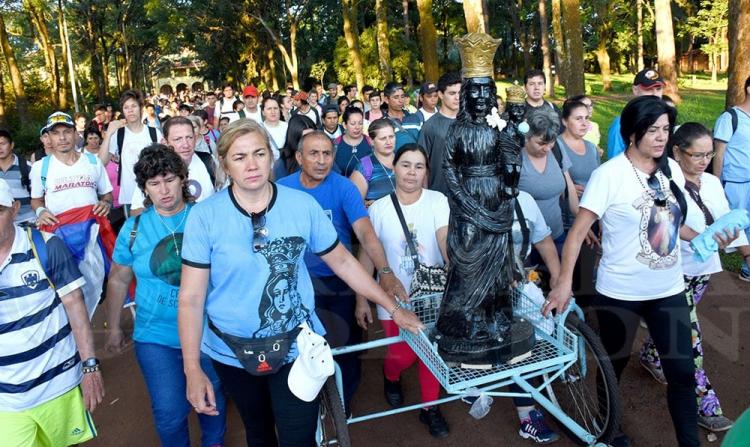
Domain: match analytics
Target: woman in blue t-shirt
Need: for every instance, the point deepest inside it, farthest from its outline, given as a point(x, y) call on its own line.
point(353, 144)
point(148, 249)
point(373, 175)
point(248, 242)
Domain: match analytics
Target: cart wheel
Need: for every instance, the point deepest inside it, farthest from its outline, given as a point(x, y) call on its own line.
point(333, 427)
point(587, 392)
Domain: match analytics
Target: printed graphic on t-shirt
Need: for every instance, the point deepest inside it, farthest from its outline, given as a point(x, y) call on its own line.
point(281, 308)
point(74, 181)
point(406, 264)
point(165, 262)
point(658, 231)
point(194, 188)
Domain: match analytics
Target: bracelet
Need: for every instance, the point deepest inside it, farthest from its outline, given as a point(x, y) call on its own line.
point(395, 308)
point(90, 365)
point(40, 210)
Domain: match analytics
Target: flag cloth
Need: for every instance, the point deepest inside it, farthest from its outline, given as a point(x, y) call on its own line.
point(91, 241)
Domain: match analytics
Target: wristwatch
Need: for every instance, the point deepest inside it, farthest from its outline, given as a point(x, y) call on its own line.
point(90, 365)
point(385, 271)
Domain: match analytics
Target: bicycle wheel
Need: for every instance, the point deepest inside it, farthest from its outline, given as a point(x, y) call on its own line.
point(587, 391)
point(332, 425)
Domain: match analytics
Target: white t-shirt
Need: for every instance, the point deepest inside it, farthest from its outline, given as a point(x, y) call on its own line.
point(641, 242)
point(538, 228)
point(133, 144)
point(427, 115)
point(224, 106)
point(69, 187)
point(199, 184)
point(255, 116)
point(423, 218)
point(278, 135)
point(712, 195)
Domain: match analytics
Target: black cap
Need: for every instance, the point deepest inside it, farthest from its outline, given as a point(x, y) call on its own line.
point(331, 108)
point(648, 78)
point(427, 87)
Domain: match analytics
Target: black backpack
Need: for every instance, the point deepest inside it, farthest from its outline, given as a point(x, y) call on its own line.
point(208, 161)
point(121, 140)
point(23, 167)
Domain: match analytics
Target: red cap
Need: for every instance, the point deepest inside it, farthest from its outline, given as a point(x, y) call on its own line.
point(250, 90)
point(301, 96)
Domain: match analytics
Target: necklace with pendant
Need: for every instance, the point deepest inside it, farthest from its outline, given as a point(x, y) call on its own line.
point(173, 231)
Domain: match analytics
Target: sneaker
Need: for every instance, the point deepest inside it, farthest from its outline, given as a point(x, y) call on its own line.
point(393, 393)
point(715, 423)
point(435, 421)
point(745, 273)
point(655, 370)
point(536, 429)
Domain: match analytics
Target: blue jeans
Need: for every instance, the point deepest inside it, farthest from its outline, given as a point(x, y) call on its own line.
point(163, 372)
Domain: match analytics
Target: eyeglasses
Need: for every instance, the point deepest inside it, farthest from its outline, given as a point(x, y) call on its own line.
point(698, 157)
point(260, 232)
point(660, 197)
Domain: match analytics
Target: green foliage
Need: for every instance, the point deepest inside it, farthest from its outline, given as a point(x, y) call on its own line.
point(707, 23)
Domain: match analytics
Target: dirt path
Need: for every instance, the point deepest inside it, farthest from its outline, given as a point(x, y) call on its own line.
point(125, 418)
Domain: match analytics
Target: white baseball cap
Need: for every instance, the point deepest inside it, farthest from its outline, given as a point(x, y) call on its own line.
point(6, 195)
point(313, 366)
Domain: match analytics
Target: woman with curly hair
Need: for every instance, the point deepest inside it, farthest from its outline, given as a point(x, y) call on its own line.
point(149, 248)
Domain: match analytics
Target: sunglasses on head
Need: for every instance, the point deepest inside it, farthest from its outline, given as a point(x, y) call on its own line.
point(660, 197)
point(260, 232)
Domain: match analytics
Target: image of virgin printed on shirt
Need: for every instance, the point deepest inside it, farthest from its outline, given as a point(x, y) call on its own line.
point(658, 231)
point(281, 308)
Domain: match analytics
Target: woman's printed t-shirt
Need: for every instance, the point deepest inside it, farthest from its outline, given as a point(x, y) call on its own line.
point(157, 265)
point(712, 195)
point(640, 243)
point(68, 187)
point(382, 180)
point(348, 156)
point(423, 218)
point(546, 188)
point(261, 294)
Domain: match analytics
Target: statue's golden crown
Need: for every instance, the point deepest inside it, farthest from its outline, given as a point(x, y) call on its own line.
point(515, 94)
point(477, 52)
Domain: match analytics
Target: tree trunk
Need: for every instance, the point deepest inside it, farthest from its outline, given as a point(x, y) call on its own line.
point(544, 43)
point(739, 42)
point(2, 98)
point(15, 73)
point(665, 47)
point(65, 82)
point(407, 26)
point(476, 16)
point(428, 40)
point(290, 57)
point(602, 56)
point(384, 51)
point(92, 41)
point(50, 57)
point(639, 32)
point(560, 51)
point(573, 47)
point(272, 69)
point(351, 34)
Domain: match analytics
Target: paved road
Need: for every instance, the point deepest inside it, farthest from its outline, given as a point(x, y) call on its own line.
point(125, 418)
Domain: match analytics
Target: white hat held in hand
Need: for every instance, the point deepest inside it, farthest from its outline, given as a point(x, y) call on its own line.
point(313, 366)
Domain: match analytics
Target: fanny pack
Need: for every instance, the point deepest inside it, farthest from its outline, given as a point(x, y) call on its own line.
point(259, 356)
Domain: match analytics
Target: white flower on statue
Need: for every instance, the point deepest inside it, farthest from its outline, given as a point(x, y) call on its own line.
point(494, 120)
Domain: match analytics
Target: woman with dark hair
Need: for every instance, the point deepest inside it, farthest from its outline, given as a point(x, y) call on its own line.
point(271, 110)
point(299, 125)
point(426, 215)
point(637, 199)
point(353, 144)
point(286, 103)
point(373, 174)
point(343, 103)
point(148, 249)
point(692, 147)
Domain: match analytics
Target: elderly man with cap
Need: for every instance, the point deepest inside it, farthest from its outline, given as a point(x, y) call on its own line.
point(302, 107)
point(250, 98)
point(647, 82)
point(46, 389)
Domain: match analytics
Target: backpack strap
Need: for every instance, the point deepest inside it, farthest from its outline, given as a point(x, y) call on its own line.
point(23, 167)
point(45, 170)
point(557, 152)
point(91, 157)
point(525, 233)
point(120, 142)
point(208, 161)
point(735, 119)
point(39, 248)
point(134, 232)
point(367, 167)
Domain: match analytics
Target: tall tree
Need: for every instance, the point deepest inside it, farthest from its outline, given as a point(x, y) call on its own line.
point(561, 54)
point(665, 48)
point(739, 43)
point(428, 40)
point(475, 12)
point(2, 98)
point(65, 81)
point(384, 52)
point(639, 32)
point(351, 34)
point(573, 47)
point(544, 43)
point(38, 19)
point(15, 73)
point(603, 24)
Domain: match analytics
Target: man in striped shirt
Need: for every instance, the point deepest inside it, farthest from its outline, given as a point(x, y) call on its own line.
point(49, 374)
point(15, 170)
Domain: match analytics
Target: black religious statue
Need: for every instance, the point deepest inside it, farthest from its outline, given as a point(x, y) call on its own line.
point(482, 167)
point(515, 112)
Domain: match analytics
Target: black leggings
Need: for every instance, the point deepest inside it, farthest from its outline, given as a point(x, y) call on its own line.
point(668, 321)
point(266, 406)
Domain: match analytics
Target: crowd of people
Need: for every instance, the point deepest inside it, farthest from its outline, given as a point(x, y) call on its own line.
point(237, 224)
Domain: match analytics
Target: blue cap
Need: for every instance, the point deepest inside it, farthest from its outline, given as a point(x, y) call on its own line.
point(56, 118)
